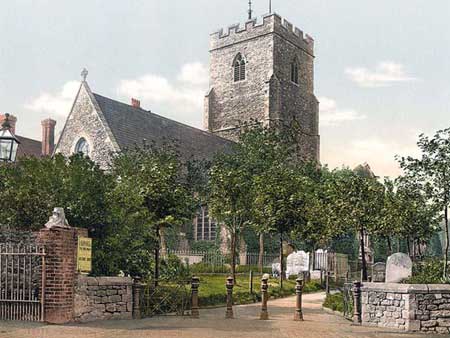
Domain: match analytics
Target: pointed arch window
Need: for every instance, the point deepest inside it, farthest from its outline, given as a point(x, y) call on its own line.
point(82, 147)
point(294, 71)
point(239, 67)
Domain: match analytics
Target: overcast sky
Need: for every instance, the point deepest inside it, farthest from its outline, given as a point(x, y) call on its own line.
point(382, 67)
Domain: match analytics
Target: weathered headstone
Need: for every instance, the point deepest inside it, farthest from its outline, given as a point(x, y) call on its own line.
point(379, 272)
point(398, 268)
point(296, 263)
point(276, 269)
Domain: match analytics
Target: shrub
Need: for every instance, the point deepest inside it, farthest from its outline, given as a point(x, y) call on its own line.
point(428, 271)
point(312, 286)
point(173, 269)
point(334, 302)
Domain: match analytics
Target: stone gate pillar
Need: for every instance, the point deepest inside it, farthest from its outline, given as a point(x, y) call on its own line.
point(60, 244)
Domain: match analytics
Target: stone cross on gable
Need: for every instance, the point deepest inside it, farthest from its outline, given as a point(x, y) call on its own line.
point(84, 74)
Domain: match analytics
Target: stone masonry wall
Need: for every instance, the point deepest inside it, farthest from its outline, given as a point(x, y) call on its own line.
point(410, 307)
point(267, 95)
point(102, 298)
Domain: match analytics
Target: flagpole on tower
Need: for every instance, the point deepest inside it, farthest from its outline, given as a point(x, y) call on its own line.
point(250, 9)
point(270, 6)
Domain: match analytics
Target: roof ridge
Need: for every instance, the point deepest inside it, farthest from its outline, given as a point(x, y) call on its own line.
point(27, 138)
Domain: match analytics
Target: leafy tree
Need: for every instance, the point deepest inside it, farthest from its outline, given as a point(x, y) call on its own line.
point(357, 204)
point(230, 201)
point(280, 203)
point(432, 172)
point(151, 193)
point(34, 186)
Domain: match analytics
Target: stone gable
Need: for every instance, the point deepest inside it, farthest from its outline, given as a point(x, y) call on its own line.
point(86, 121)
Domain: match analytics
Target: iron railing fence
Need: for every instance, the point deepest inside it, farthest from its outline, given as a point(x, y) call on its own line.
point(22, 282)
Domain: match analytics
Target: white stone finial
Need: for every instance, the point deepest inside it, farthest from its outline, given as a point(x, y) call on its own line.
point(84, 74)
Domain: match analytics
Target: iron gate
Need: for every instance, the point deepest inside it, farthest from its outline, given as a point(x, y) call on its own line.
point(168, 298)
point(22, 282)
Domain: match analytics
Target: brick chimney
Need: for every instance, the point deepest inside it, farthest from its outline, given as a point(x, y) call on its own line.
point(48, 136)
point(12, 121)
point(135, 103)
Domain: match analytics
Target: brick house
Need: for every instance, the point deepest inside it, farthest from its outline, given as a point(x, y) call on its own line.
point(29, 147)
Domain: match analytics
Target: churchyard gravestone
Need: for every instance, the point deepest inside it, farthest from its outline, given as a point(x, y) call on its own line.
point(398, 268)
point(379, 272)
point(296, 263)
point(276, 269)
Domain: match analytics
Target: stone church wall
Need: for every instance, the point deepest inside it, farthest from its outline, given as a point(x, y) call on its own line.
point(84, 122)
point(267, 94)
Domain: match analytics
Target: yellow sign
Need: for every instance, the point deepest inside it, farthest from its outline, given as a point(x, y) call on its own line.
point(84, 255)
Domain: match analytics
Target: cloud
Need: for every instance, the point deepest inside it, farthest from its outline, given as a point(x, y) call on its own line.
point(180, 98)
point(385, 74)
point(58, 103)
point(194, 73)
point(379, 152)
point(331, 115)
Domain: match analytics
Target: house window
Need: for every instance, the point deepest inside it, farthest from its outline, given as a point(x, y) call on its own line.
point(239, 68)
point(294, 72)
point(205, 227)
point(82, 147)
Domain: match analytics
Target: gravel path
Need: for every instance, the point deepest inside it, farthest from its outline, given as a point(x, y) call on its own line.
point(317, 324)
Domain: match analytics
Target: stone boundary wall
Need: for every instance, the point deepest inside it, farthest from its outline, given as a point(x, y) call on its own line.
point(409, 307)
point(103, 298)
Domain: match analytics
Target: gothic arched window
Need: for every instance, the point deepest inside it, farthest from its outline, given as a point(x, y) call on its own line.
point(82, 147)
point(294, 71)
point(239, 68)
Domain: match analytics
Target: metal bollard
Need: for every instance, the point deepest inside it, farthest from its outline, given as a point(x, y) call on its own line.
point(327, 282)
point(356, 303)
point(298, 309)
point(195, 283)
point(265, 296)
point(137, 294)
point(229, 285)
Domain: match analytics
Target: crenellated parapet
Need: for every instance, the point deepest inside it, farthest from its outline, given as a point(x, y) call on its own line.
point(270, 24)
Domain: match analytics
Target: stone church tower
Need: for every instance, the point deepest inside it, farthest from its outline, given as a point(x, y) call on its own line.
point(263, 72)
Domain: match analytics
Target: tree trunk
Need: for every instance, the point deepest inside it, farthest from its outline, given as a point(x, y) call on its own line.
point(408, 246)
point(233, 254)
point(158, 243)
point(363, 255)
point(281, 261)
point(419, 249)
point(398, 245)
point(261, 252)
point(162, 237)
point(446, 240)
point(389, 245)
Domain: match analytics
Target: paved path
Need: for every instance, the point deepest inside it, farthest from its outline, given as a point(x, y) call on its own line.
point(317, 324)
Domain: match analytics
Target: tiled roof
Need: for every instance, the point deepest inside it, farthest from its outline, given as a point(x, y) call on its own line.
point(28, 147)
point(131, 125)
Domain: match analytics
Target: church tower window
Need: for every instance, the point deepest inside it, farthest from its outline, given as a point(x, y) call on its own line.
point(239, 68)
point(82, 147)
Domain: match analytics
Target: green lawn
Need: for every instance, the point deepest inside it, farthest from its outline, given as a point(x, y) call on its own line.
point(212, 289)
